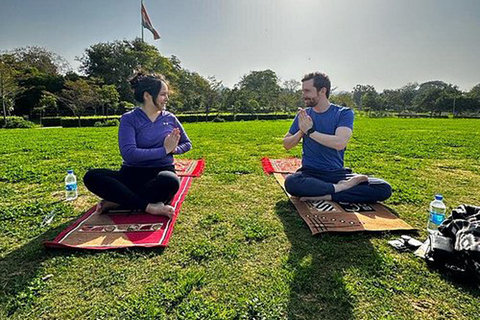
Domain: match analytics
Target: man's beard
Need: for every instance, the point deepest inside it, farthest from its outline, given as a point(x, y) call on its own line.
point(309, 103)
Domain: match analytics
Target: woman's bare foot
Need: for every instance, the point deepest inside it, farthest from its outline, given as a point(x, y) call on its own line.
point(105, 205)
point(160, 209)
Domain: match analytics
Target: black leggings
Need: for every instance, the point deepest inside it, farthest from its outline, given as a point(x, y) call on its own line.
point(133, 187)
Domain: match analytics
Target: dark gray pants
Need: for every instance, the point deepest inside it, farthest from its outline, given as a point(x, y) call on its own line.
point(313, 183)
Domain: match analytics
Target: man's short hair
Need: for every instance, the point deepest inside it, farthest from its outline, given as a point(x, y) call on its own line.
point(320, 80)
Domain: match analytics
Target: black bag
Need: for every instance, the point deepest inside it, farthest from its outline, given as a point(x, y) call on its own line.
point(457, 245)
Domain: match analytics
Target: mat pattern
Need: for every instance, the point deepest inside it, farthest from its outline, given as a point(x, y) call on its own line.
point(121, 230)
point(329, 216)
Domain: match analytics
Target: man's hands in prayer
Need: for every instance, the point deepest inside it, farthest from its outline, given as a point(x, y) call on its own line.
point(171, 141)
point(304, 120)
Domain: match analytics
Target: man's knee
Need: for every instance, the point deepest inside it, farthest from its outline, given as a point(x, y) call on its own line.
point(292, 185)
point(384, 191)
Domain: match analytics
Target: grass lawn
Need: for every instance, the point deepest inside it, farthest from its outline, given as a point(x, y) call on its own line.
point(238, 251)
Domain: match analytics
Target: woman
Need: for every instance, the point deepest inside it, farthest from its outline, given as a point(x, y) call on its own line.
point(148, 137)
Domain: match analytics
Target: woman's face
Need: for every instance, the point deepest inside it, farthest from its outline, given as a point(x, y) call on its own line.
point(162, 98)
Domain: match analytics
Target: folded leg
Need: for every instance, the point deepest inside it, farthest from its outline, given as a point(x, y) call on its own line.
point(112, 186)
point(301, 184)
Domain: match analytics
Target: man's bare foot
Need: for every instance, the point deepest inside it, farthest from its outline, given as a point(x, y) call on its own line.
point(160, 209)
point(350, 183)
point(326, 197)
point(105, 205)
point(357, 179)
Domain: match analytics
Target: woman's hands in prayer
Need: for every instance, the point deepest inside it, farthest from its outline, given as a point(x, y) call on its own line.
point(171, 141)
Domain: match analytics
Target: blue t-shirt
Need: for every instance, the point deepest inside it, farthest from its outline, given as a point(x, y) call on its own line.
point(315, 155)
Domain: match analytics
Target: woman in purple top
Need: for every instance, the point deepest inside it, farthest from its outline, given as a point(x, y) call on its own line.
point(148, 137)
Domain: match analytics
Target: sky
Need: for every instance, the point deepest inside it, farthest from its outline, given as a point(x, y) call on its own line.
point(384, 43)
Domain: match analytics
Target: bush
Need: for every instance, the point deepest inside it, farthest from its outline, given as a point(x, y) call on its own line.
point(16, 122)
point(107, 123)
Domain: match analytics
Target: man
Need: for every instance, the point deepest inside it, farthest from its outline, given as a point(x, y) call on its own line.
point(326, 129)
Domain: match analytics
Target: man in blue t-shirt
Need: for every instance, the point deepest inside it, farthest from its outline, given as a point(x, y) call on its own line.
point(326, 129)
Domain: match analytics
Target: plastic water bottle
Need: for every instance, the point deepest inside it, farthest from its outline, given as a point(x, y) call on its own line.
point(436, 214)
point(71, 186)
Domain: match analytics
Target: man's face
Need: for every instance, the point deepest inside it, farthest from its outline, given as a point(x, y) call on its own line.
point(311, 96)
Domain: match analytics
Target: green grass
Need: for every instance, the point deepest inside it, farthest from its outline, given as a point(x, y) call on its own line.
point(238, 250)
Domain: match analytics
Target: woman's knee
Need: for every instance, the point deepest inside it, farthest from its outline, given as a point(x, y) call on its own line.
point(168, 178)
point(92, 176)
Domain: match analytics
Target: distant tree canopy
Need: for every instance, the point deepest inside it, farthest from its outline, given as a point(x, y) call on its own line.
point(37, 82)
point(115, 62)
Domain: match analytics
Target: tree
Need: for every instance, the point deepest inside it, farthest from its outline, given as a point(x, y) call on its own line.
point(34, 84)
point(426, 100)
point(41, 59)
point(78, 96)
point(474, 96)
point(9, 88)
point(47, 101)
point(262, 86)
point(290, 96)
point(407, 94)
point(371, 101)
point(436, 97)
point(343, 99)
point(191, 92)
point(291, 85)
point(37, 70)
point(213, 94)
point(108, 98)
point(115, 62)
point(359, 91)
point(391, 99)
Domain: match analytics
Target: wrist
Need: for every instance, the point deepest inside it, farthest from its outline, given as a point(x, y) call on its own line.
point(309, 132)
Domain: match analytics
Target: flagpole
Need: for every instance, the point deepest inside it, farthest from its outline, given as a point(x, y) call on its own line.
point(141, 17)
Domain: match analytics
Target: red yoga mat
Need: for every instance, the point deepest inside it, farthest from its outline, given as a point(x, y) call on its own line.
point(122, 230)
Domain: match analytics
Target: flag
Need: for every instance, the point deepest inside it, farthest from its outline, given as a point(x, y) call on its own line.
point(146, 23)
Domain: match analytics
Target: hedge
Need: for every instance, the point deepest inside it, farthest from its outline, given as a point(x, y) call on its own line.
point(51, 121)
point(68, 122)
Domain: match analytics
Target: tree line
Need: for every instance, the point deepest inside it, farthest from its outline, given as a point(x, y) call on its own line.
point(36, 82)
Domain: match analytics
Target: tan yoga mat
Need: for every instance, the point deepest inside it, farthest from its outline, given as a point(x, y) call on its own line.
point(329, 216)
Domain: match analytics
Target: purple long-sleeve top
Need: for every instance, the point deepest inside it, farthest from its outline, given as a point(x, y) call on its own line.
point(141, 140)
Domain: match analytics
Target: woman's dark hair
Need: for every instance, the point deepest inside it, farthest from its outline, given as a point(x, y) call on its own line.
point(142, 82)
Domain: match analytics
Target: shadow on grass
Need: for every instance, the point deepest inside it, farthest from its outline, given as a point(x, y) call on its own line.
point(465, 282)
point(319, 289)
point(21, 274)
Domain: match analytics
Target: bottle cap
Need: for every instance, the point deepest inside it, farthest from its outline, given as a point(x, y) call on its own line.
point(70, 171)
point(438, 197)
